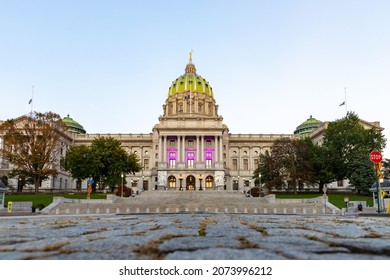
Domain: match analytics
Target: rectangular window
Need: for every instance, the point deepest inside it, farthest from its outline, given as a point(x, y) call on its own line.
point(340, 183)
point(208, 156)
point(256, 163)
point(146, 164)
point(172, 159)
point(190, 159)
point(235, 164)
point(246, 165)
point(190, 143)
point(208, 143)
point(172, 143)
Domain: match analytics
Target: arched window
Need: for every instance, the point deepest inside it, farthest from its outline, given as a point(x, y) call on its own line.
point(209, 181)
point(172, 182)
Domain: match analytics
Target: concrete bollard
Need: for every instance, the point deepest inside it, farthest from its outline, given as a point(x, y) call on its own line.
point(294, 210)
point(57, 211)
point(255, 210)
point(226, 210)
point(67, 211)
point(245, 211)
point(216, 210)
point(166, 210)
point(77, 211)
point(304, 211)
point(206, 209)
point(107, 210)
point(157, 210)
point(88, 211)
point(177, 210)
point(137, 210)
point(284, 211)
point(275, 211)
point(147, 210)
point(186, 210)
point(118, 210)
point(265, 210)
point(127, 210)
point(196, 209)
point(235, 210)
point(97, 210)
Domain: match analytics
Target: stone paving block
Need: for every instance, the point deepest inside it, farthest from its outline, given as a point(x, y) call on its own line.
point(224, 254)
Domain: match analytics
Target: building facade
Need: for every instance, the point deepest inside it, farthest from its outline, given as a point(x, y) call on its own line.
point(190, 148)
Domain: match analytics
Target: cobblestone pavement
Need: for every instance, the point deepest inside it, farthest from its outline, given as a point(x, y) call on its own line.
point(194, 236)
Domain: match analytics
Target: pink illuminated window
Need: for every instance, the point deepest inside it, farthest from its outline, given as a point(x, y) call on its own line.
point(190, 159)
point(208, 157)
point(172, 158)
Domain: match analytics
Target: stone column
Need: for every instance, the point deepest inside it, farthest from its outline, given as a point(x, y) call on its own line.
point(178, 149)
point(165, 150)
point(202, 149)
point(197, 151)
point(160, 149)
point(216, 148)
point(220, 150)
point(183, 150)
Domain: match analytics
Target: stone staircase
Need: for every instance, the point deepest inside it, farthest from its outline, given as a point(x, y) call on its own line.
point(186, 201)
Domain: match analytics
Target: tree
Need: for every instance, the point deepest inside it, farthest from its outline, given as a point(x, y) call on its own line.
point(105, 160)
point(288, 165)
point(32, 145)
point(321, 163)
point(78, 162)
point(269, 174)
point(362, 174)
point(347, 142)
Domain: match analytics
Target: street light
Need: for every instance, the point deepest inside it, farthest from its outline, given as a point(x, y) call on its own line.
point(238, 181)
point(200, 181)
point(260, 189)
point(346, 200)
point(122, 185)
point(181, 181)
point(250, 187)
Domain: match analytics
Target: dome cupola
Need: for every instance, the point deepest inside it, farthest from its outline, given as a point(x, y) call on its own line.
point(73, 126)
point(190, 82)
point(308, 126)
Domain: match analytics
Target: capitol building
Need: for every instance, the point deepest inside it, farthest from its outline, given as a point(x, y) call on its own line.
point(190, 148)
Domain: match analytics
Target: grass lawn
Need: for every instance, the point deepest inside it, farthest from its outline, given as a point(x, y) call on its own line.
point(42, 200)
point(337, 199)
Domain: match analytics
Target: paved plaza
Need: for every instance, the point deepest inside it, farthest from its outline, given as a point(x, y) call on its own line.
point(191, 236)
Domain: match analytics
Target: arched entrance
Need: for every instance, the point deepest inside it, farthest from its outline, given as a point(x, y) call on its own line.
point(209, 182)
point(190, 183)
point(172, 182)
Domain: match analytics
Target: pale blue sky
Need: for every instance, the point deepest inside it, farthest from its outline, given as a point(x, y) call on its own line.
point(272, 64)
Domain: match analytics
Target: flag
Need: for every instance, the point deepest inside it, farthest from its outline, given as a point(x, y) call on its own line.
point(342, 104)
point(30, 101)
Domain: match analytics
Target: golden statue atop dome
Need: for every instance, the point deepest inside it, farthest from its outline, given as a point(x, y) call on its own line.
point(191, 56)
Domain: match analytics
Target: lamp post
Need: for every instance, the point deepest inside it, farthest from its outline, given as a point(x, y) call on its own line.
point(238, 182)
point(142, 187)
point(181, 181)
point(260, 189)
point(122, 185)
point(346, 200)
point(250, 187)
point(200, 182)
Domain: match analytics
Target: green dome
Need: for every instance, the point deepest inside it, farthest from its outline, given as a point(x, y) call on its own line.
point(73, 126)
point(308, 126)
point(190, 82)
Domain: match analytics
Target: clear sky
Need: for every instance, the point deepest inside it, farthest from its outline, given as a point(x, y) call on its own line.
point(271, 64)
